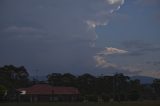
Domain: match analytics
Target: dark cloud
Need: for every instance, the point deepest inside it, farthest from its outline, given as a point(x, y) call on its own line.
point(147, 2)
point(154, 63)
point(139, 47)
point(59, 18)
point(136, 44)
point(52, 34)
point(156, 18)
point(135, 53)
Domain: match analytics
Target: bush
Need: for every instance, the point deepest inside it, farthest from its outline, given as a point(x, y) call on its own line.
point(3, 90)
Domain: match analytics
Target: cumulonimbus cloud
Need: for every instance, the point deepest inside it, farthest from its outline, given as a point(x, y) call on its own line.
point(17, 29)
point(70, 19)
point(115, 1)
point(61, 22)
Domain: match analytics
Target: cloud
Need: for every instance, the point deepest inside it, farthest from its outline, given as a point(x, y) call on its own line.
point(111, 50)
point(115, 1)
point(62, 20)
point(102, 62)
point(139, 69)
point(154, 63)
point(66, 28)
point(129, 69)
point(134, 48)
point(147, 2)
point(22, 32)
point(104, 66)
point(139, 47)
point(135, 44)
point(156, 18)
point(16, 29)
point(151, 73)
point(100, 57)
point(135, 53)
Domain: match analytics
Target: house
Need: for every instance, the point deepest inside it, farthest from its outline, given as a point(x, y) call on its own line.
point(45, 92)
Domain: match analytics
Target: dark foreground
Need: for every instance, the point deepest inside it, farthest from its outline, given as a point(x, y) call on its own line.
point(156, 103)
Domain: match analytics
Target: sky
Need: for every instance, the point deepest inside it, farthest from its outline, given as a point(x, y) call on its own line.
point(81, 36)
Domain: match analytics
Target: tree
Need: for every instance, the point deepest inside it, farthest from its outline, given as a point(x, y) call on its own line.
point(104, 87)
point(68, 79)
point(13, 77)
point(3, 91)
point(55, 79)
point(86, 83)
point(120, 86)
point(135, 90)
point(156, 86)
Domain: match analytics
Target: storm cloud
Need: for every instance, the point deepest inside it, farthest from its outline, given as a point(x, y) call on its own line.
point(52, 34)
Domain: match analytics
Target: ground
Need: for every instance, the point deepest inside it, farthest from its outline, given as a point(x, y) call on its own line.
point(84, 104)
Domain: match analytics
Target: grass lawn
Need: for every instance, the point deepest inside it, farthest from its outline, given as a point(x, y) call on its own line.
point(84, 104)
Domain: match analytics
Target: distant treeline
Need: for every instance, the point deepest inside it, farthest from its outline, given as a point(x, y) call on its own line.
point(92, 88)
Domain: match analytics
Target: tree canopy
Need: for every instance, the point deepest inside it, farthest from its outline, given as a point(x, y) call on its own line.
point(117, 87)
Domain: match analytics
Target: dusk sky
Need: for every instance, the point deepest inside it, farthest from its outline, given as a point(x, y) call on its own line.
point(81, 36)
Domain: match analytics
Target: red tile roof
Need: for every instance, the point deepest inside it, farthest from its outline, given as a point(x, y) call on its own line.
point(45, 89)
point(65, 90)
